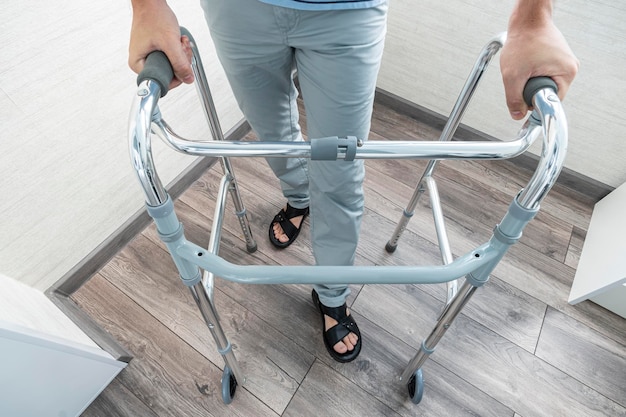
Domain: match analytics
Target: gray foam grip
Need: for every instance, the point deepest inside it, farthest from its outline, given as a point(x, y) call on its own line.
point(159, 69)
point(535, 84)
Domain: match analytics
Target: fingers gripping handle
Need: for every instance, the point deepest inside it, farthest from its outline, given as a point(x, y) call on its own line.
point(159, 69)
point(185, 32)
point(536, 84)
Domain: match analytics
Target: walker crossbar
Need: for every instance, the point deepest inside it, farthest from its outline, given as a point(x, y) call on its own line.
point(395, 149)
point(198, 266)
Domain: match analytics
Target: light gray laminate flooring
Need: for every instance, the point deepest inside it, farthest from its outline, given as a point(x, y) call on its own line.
point(518, 349)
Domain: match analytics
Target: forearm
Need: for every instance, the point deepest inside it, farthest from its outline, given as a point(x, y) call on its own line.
point(142, 5)
point(146, 12)
point(534, 47)
point(529, 14)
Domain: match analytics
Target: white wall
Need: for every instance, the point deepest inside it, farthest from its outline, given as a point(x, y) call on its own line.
point(65, 95)
point(431, 47)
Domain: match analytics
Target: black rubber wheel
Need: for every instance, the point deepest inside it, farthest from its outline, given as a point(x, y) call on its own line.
point(229, 385)
point(416, 386)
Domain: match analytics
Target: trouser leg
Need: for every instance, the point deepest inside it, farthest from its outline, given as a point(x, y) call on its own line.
point(337, 55)
point(259, 67)
point(337, 70)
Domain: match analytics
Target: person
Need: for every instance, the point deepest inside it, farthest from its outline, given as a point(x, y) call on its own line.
point(336, 48)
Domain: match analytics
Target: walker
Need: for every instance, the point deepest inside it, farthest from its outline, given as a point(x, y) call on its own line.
point(198, 266)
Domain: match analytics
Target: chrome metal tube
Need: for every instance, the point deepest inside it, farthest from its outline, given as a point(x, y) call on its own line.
point(139, 126)
point(204, 92)
point(527, 135)
point(440, 226)
point(443, 324)
point(216, 231)
point(206, 307)
point(452, 123)
point(407, 213)
point(555, 138)
point(461, 104)
point(480, 66)
point(210, 113)
point(442, 235)
point(368, 150)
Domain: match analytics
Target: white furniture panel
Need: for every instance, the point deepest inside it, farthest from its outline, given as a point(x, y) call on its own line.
point(601, 273)
point(44, 375)
point(48, 365)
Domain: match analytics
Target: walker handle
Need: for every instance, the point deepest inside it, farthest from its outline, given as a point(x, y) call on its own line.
point(157, 68)
point(534, 85)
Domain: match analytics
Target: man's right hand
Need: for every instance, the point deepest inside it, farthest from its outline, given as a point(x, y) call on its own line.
point(155, 28)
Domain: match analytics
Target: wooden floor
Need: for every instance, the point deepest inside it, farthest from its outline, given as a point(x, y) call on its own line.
point(517, 350)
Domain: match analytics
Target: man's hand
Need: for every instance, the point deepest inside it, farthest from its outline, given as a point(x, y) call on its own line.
point(534, 47)
point(155, 28)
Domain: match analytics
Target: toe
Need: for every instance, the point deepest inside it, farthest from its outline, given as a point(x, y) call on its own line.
point(279, 234)
point(341, 348)
point(347, 344)
point(353, 339)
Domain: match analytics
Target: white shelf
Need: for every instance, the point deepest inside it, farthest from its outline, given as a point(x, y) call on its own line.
point(48, 366)
point(601, 273)
point(44, 375)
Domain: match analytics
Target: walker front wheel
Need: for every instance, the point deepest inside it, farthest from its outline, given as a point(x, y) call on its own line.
point(416, 386)
point(229, 385)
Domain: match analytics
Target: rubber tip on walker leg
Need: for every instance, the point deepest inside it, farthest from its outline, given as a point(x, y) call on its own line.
point(390, 248)
point(251, 249)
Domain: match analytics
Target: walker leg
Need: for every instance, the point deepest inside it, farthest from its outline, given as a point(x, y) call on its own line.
point(413, 373)
point(240, 209)
point(232, 372)
point(210, 112)
point(452, 123)
point(392, 243)
point(171, 232)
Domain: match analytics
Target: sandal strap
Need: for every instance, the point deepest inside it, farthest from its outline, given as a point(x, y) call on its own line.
point(337, 313)
point(281, 218)
point(336, 333)
point(345, 324)
point(284, 219)
point(292, 212)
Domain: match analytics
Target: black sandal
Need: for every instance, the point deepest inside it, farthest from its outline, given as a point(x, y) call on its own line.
point(284, 219)
point(345, 326)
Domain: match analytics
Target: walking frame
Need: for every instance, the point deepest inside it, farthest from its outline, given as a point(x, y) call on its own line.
point(198, 266)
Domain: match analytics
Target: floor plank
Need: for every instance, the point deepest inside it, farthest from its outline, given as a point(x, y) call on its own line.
point(339, 396)
point(580, 359)
point(575, 247)
point(169, 376)
point(118, 401)
point(274, 366)
point(498, 367)
point(506, 310)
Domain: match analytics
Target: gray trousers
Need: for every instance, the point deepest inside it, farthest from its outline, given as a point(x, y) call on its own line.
point(337, 55)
